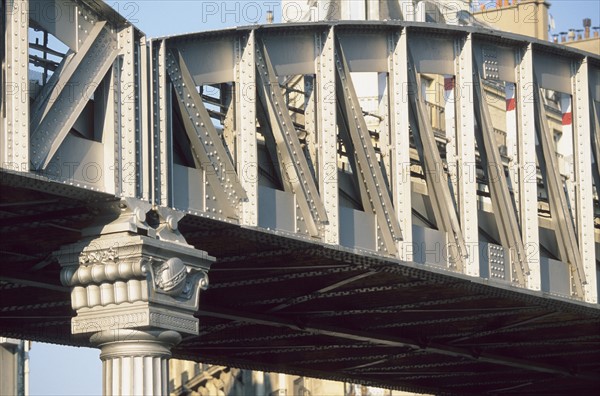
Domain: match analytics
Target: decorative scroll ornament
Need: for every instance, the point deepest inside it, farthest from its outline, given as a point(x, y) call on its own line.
point(175, 279)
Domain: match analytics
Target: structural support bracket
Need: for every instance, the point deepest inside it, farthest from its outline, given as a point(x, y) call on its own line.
point(368, 169)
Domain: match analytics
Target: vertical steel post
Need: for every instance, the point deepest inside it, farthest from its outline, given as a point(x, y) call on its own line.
point(400, 138)
point(584, 196)
point(145, 133)
point(465, 150)
point(15, 139)
point(128, 114)
point(327, 132)
point(161, 137)
point(527, 168)
point(245, 101)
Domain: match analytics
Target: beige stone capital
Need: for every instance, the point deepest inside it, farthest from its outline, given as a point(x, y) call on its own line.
point(128, 281)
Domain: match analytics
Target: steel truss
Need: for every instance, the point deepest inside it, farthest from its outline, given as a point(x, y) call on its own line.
point(293, 104)
point(397, 212)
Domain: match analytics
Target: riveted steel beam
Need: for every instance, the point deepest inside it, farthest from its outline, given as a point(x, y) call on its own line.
point(161, 126)
point(506, 219)
point(83, 73)
point(209, 151)
point(595, 139)
point(584, 194)
point(326, 109)
point(25, 280)
point(146, 132)
point(350, 292)
point(294, 164)
point(322, 290)
point(247, 151)
point(262, 117)
point(422, 307)
point(14, 116)
point(437, 186)
point(466, 181)
point(3, 28)
point(128, 145)
point(513, 325)
point(61, 75)
point(559, 208)
point(374, 193)
point(525, 188)
point(394, 342)
point(547, 326)
point(400, 136)
point(69, 21)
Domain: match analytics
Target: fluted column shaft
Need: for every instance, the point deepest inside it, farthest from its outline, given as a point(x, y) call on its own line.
point(135, 362)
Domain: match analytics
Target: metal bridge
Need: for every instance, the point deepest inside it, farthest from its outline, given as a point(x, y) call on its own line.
point(365, 243)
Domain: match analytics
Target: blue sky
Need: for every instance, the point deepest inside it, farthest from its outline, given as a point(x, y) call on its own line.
point(160, 18)
point(56, 370)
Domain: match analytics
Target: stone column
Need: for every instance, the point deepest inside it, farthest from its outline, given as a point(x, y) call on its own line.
point(135, 362)
point(135, 290)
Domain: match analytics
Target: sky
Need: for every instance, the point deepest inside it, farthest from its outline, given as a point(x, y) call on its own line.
point(77, 371)
point(162, 18)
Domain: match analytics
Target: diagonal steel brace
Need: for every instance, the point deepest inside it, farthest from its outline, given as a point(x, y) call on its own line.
point(559, 209)
point(294, 163)
point(206, 144)
point(439, 191)
point(373, 183)
point(506, 219)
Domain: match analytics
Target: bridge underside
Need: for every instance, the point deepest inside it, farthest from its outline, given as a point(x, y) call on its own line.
point(392, 203)
point(282, 304)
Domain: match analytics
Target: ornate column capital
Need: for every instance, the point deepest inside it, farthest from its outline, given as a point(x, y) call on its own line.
point(124, 280)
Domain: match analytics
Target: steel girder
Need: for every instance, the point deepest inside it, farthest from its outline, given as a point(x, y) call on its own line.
point(326, 55)
point(385, 341)
point(259, 67)
point(15, 102)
